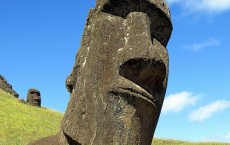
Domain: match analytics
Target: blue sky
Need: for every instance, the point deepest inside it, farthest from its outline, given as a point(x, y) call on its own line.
point(39, 40)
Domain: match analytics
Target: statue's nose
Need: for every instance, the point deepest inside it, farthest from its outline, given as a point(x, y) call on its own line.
point(147, 73)
point(138, 35)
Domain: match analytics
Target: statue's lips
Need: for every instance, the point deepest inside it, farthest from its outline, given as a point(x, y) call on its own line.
point(140, 93)
point(36, 101)
point(128, 88)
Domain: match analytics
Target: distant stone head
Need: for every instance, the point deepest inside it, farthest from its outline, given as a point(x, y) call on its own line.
point(34, 97)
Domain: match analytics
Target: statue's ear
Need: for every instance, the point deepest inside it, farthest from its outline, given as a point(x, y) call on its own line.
point(70, 83)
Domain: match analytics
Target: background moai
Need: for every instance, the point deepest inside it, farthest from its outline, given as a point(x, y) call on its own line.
point(119, 80)
point(5, 86)
point(33, 97)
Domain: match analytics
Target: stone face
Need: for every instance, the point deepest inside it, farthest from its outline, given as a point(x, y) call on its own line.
point(119, 80)
point(34, 97)
point(4, 85)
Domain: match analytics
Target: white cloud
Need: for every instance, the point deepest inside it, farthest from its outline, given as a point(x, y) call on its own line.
point(203, 5)
point(177, 102)
point(205, 44)
point(207, 111)
point(227, 136)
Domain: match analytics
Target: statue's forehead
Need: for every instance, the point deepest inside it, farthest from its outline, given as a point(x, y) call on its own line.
point(160, 4)
point(34, 91)
point(157, 11)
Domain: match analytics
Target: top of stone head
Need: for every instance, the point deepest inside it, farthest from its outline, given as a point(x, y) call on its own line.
point(33, 91)
point(140, 5)
point(156, 10)
point(30, 92)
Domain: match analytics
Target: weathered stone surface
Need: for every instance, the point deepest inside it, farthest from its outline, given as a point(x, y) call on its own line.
point(120, 76)
point(34, 97)
point(5, 86)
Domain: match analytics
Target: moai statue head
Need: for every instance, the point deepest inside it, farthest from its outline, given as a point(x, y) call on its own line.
point(120, 76)
point(34, 97)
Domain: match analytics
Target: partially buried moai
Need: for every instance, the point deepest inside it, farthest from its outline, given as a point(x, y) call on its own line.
point(34, 97)
point(119, 80)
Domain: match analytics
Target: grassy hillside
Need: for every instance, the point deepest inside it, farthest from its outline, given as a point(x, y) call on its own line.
point(21, 124)
point(177, 142)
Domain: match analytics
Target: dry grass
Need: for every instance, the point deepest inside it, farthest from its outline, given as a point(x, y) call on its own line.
point(21, 123)
point(177, 142)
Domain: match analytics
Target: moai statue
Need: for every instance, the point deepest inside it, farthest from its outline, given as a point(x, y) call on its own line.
point(119, 80)
point(34, 97)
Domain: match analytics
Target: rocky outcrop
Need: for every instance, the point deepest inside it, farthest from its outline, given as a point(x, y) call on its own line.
point(5, 86)
point(119, 79)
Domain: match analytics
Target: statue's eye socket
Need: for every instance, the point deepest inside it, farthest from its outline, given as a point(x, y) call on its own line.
point(161, 30)
point(35, 93)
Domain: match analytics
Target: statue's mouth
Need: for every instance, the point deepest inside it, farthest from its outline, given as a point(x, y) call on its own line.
point(137, 93)
point(36, 100)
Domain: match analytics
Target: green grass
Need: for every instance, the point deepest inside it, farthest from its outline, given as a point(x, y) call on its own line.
point(21, 123)
point(177, 142)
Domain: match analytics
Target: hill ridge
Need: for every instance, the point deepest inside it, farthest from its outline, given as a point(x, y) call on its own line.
point(21, 123)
